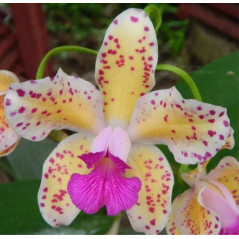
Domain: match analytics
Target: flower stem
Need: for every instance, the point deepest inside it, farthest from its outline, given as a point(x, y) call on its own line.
point(59, 135)
point(183, 75)
point(58, 50)
point(155, 14)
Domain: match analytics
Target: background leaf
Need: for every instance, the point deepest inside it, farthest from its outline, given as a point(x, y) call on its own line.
point(28, 158)
point(20, 213)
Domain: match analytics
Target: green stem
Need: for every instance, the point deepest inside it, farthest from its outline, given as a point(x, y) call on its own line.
point(183, 75)
point(58, 50)
point(155, 14)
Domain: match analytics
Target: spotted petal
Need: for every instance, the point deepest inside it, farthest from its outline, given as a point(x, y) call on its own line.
point(150, 214)
point(194, 131)
point(125, 64)
point(6, 78)
point(54, 201)
point(191, 218)
point(227, 173)
point(34, 108)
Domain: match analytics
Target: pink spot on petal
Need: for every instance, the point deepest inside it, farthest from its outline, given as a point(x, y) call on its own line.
point(153, 102)
point(21, 110)
point(226, 124)
point(8, 102)
point(21, 93)
point(134, 19)
point(212, 112)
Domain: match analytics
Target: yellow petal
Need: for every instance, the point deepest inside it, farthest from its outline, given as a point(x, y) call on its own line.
point(193, 219)
point(125, 64)
point(152, 210)
point(6, 78)
point(8, 138)
point(34, 108)
point(227, 173)
point(54, 201)
point(192, 177)
point(194, 131)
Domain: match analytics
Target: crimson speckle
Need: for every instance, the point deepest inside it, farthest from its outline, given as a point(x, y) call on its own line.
point(221, 137)
point(221, 114)
point(34, 110)
point(153, 102)
point(19, 124)
point(8, 102)
point(21, 110)
point(212, 112)
point(226, 124)
point(211, 120)
point(134, 19)
point(21, 93)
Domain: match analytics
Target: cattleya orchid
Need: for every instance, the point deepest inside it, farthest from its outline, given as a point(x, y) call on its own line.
point(210, 206)
point(112, 161)
point(8, 138)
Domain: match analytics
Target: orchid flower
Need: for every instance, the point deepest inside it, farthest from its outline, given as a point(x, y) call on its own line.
point(210, 206)
point(8, 138)
point(112, 161)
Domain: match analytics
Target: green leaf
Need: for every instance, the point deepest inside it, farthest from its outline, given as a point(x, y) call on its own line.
point(28, 158)
point(20, 213)
point(218, 83)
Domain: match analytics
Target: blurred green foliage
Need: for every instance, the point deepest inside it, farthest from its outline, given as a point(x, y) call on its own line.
point(86, 21)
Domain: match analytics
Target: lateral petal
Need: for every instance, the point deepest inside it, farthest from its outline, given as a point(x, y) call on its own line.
point(35, 108)
point(194, 131)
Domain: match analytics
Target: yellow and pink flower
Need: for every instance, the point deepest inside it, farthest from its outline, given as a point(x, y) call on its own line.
point(112, 161)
